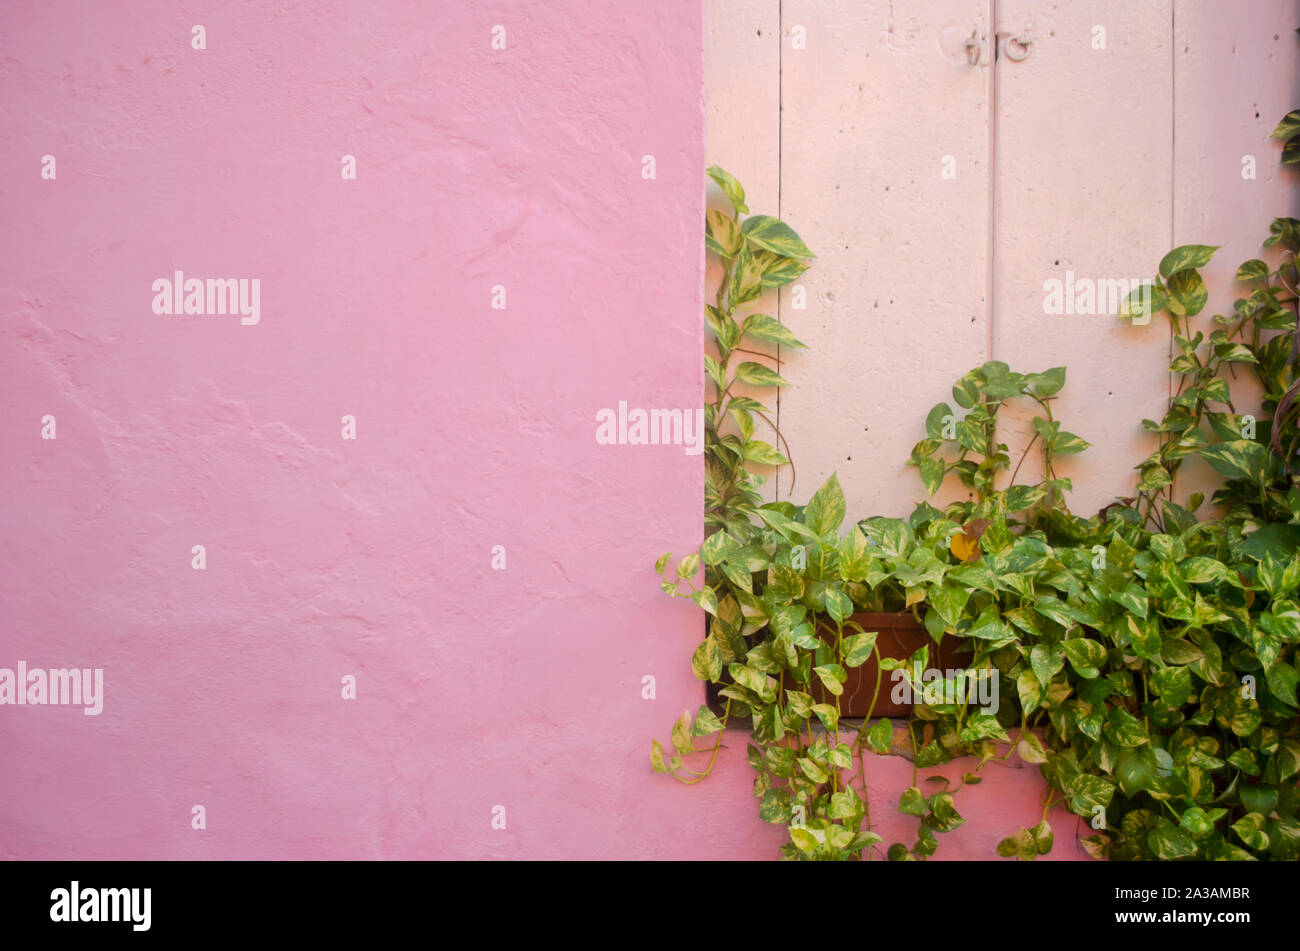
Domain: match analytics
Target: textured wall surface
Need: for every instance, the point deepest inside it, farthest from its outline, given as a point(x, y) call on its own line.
point(329, 557)
point(940, 196)
point(520, 168)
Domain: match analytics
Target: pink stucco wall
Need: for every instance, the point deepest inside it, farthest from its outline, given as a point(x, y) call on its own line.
point(372, 558)
point(475, 427)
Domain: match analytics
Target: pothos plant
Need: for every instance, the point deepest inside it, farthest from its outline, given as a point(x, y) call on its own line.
point(782, 631)
point(1146, 660)
point(1152, 655)
point(757, 255)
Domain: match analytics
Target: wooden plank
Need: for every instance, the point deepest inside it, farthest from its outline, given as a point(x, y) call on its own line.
point(742, 131)
point(1234, 78)
point(1082, 186)
point(896, 302)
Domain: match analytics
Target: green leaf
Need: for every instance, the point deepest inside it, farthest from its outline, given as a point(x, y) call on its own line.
point(1143, 301)
point(756, 374)
point(662, 562)
point(1289, 126)
point(1238, 459)
point(932, 472)
point(1174, 684)
point(773, 234)
point(780, 760)
point(934, 420)
point(1187, 256)
point(1252, 270)
point(990, 627)
point(841, 756)
point(825, 510)
point(805, 841)
point(1234, 353)
point(943, 813)
point(812, 770)
point(1064, 443)
point(1144, 636)
point(855, 558)
point(1043, 837)
point(982, 726)
point(725, 232)
point(716, 548)
point(1132, 599)
point(779, 271)
point(1280, 578)
point(1086, 656)
point(832, 677)
point(775, 806)
point(687, 567)
point(682, 734)
point(771, 330)
point(950, 600)
point(966, 391)
point(1287, 759)
point(1136, 770)
point(734, 191)
point(706, 599)
point(714, 369)
point(1022, 845)
point(763, 454)
point(1187, 294)
point(706, 662)
point(1251, 829)
point(706, 724)
point(1282, 681)
point(1124, 729)
point(657, 758)
point(912, 802)
point(1048, 383)
point(858, 648)
point(1045, 662)
point(1087, 791)
point(758, 682)
point(1030, 748)
point(845, 805)
point(1261, 797)
point(1030, 689)
point(827, 714)
point(1291, 151)
point(1168, 842)
point(881, 736)
point(1197, 822)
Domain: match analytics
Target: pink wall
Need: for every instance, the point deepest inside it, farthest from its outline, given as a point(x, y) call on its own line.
point(370, 558)
point(475, 427)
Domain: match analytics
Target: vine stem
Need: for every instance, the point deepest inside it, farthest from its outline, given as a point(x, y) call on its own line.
point(717, 745)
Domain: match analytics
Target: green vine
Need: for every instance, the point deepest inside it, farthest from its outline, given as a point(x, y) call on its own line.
point(1144, 660)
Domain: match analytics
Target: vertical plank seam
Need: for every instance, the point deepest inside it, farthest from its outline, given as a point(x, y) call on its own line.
point(990, 265)
point(1173, 192)
point(780, 211)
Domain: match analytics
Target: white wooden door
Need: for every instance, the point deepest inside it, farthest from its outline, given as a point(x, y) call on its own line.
point(941, 197)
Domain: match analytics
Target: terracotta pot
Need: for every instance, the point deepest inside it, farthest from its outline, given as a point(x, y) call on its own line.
point(900, 636)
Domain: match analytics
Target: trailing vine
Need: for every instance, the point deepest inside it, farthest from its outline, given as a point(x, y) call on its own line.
point(1144, 660)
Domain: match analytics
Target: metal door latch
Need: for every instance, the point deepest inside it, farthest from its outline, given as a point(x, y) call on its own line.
point(1014, 46)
